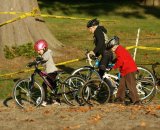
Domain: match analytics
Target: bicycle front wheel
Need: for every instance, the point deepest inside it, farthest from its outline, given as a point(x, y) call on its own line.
point(27, 95)
point(146, 90)
point(95, 92)
point(86, 73)
point(71, 90)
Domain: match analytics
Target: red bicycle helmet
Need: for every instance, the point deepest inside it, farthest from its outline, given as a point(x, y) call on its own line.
point(40, 44)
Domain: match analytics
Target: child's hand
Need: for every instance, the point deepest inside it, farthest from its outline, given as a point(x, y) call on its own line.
point(108, 69)
point(39, 58)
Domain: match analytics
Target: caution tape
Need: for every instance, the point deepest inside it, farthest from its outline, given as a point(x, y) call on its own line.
point(34, 13)
point(29, 70)
point(24, 15)
point(76, 60)
point(54, 16)
point(144, 48)
point(70, 61)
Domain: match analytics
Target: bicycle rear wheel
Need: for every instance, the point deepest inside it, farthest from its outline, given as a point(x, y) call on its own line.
point(95, 92)
point(146, 90)
point(27, 95)
point(144, 73)
point(71, 90)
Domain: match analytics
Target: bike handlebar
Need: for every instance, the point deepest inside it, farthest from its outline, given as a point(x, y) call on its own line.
point(36, 62)
point(90, 58)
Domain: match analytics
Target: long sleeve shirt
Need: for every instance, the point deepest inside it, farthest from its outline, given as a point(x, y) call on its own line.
point(125, 62)
point(49, 65)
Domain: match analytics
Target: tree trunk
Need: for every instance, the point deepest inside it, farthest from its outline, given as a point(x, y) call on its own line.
point(150, 2)
point(156, 3)
point(26, 30)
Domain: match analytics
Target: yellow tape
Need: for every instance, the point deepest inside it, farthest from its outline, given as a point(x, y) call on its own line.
point(29, 70)
point(24, 15)
point(63, 63)
point(75, 60)
point(13, 13)
point(129, 47)
point(52, 16)
point(144, 48)
point(75, 18)
point(33, 14)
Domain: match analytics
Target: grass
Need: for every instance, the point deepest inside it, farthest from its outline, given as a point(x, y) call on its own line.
point(6, 88)
point(123, 18)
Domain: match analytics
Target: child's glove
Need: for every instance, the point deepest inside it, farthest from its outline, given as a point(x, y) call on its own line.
point(30, 64)
point(39, 58)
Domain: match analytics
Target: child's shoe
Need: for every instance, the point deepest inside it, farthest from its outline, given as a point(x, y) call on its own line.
point(44, 104)
point(55, 102)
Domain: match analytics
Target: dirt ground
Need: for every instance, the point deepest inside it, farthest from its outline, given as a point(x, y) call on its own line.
point(104, 117)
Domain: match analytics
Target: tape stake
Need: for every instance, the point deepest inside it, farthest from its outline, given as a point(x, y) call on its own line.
point(137, 39)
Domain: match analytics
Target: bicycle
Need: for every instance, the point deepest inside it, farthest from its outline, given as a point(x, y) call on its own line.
point(142, 81)
point(29, 93)
point(90, 72)
point(146, 90)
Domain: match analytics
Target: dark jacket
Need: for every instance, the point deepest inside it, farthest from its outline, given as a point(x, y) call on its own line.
point(99, 40)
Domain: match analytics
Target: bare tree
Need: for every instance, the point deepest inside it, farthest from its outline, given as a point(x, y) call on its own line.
point(26, 30)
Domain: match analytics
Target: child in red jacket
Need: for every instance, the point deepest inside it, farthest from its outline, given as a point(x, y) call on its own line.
point(127, 68)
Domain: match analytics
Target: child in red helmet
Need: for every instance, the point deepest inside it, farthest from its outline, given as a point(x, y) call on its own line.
point(127, 67)
point(41, 47)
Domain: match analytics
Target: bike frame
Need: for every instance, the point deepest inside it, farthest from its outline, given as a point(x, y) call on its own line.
point(42, 74)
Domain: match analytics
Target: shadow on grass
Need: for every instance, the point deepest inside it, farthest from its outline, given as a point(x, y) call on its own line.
point(6, 101)
point(99, 7)
point(9, 99)
point(66, 69)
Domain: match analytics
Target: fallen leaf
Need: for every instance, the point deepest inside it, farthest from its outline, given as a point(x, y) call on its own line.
point(95, 118)
point(143, 124)
point(72, 127)
point(158, 107)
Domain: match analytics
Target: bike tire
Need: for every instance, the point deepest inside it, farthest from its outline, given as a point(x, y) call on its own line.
point(95, 92)
point(71, 90)
point(146, 90)
point(144, 73)
point(86, 73)
point(27, 96)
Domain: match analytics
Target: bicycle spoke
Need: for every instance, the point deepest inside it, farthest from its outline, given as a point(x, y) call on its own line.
point(95, 92)
point(71, 90)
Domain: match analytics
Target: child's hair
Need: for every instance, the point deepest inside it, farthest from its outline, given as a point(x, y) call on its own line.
point(112, 42)
point(40, 45)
